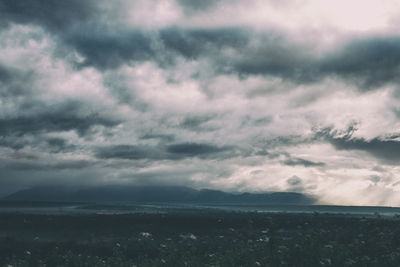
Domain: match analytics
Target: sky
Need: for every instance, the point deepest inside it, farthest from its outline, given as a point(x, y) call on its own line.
point(235, 95)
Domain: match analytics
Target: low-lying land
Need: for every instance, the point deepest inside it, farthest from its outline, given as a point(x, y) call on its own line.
point(198, 238)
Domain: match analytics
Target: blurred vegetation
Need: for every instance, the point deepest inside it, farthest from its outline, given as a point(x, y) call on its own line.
point(198, 238)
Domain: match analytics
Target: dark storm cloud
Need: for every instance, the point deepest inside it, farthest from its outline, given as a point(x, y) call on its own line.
point(370, 61)
point(58, 118)
point(192, 43)
point(52, 14)
point(106, 48)
point(275, 55)
point(82, 25)
point(177, 151)
point(109, 48)
point(367, 62)
point(387, 150)
point(302, 162)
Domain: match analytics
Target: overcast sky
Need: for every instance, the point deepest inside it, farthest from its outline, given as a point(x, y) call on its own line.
point(252, 95)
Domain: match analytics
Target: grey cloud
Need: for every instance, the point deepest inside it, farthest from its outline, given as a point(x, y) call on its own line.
point(176, 176)
point(23, 174)
point(289, 160)
point(302, 162)
point(370, 61)
point(107, 48)
point(161, 137)
point(192, 43)
point(295, 184)
point(397, 111)
point(14, 82)
point(64, 117)
point(275, 55)
point(51, 14)
point(249, 121)
point(59, 145)
point(38, 143)
point(73, 164)
point(177, 151)
point(196, 123)
point(5, 74)
point(51, 123)
point(375, 178)
point(81, 26)
point(132, 152)
point(120, 89)
point(388, 150)
point(13, 142)
point(57, 142)
point(288, 140)
point(110, 48)
point(379, 169)
point(385, 149)
point(31, 125)
point(195, 149)
point(263, 152)
point(367, 62)
point(263, 121)
point(294, 180)
point(194, 6)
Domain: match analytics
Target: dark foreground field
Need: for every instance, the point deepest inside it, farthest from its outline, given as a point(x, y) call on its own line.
point(198, 238)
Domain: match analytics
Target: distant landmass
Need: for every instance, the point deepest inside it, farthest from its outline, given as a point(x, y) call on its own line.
point(166, 194)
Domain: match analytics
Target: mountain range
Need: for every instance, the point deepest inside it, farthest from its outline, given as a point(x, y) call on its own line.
point(167, 194)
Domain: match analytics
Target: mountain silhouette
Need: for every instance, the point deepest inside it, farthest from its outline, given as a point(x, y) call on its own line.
point(178, 194)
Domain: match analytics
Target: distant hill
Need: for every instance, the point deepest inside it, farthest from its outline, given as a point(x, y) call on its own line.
point(166, 194)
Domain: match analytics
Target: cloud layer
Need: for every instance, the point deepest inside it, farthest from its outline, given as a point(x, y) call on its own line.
point(234, 95)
